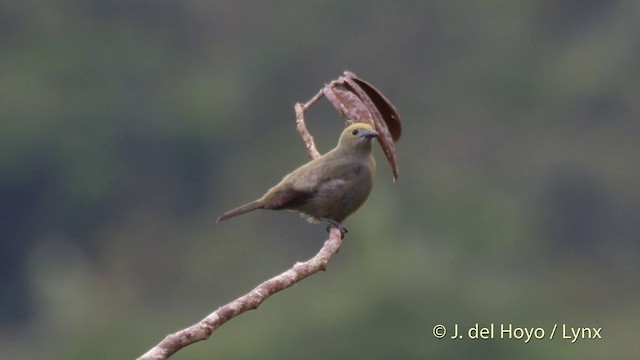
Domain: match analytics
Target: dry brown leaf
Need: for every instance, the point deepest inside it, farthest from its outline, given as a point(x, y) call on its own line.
point(385, 117)
point(357, 100)
point(348, 105)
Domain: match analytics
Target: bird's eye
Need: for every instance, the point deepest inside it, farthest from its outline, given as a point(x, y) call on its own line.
point(354, 132)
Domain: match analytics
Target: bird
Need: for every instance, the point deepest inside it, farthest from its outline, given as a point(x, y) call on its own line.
point(328, 188)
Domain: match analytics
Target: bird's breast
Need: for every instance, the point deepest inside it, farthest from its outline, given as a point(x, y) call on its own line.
point(338, 196)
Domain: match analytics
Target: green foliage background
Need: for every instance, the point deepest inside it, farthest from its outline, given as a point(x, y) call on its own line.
point(126, 127)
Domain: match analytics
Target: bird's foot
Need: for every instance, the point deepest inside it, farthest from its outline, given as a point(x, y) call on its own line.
point(338, 225)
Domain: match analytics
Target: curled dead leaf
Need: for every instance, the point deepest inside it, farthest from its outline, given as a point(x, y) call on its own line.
point(357, 100)
point(387, 111)
point(348, 105)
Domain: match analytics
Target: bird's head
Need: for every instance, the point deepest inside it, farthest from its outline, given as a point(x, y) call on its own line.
point(358, 135)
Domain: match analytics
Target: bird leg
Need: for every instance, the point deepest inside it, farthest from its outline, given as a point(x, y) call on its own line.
point(337, 224)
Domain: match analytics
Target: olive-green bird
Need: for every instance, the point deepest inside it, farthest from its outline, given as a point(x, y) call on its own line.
point(328, 188)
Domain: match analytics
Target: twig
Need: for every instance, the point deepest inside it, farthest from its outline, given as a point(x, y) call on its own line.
point(302, 128)
point(203, 329)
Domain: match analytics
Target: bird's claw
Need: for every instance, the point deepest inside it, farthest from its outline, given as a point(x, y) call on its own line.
point(338, 225)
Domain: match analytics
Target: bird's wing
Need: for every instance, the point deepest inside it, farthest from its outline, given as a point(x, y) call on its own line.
point(286, 197)
point(309, 178)
point(303, 184)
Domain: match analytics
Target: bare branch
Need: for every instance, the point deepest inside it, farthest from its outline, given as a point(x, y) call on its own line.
point(203, 329)
point(302, 128)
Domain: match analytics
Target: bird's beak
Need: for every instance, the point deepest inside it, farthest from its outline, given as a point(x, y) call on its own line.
point(370, 134)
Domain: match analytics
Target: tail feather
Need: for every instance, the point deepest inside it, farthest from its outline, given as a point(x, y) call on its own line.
point(241, 210)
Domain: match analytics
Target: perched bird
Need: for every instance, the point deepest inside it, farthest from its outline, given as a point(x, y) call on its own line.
point(328, 188)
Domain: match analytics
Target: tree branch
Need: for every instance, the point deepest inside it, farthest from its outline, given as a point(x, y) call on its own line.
point(203, 329)
point(250, 301)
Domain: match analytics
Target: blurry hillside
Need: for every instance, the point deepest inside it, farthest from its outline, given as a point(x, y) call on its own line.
point(126, 127)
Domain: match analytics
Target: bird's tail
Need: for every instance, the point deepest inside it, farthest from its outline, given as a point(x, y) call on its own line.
point(257, 204)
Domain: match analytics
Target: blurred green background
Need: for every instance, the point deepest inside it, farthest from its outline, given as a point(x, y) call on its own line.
point(126, 127)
